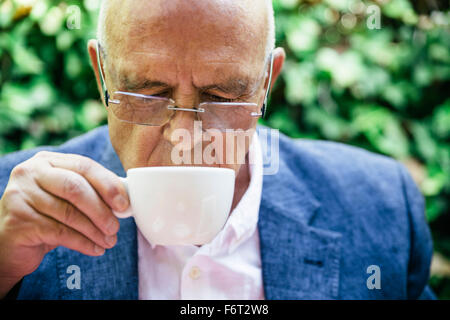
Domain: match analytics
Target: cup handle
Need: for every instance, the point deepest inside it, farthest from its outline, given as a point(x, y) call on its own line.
point(127, 213)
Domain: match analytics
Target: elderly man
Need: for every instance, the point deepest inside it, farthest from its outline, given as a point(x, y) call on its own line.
point(335, 222)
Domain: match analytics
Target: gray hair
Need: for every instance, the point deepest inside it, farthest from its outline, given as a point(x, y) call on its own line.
point(102, 35)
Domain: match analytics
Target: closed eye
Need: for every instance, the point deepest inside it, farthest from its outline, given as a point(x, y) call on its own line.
point(214, 98)
point(163, 94)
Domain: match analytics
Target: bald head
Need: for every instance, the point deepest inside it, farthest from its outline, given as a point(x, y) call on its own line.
point(253, 19)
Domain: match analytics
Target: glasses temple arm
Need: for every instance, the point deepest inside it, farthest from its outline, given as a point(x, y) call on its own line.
point(263, 111)
point(102, 77)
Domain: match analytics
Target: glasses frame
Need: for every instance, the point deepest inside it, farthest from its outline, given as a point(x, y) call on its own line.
point(172, 105)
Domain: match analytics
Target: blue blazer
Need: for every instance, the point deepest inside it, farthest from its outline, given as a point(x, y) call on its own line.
point(330, 212)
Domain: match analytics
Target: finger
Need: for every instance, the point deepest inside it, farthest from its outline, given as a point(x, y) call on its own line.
point(105, 182)
point(66, 213)
point(74, 188)
point(54, 233)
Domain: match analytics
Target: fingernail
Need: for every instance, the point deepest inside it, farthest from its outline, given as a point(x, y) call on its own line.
point(112, 226)
point(99, 250)
point(110, 240)
point(120, 203)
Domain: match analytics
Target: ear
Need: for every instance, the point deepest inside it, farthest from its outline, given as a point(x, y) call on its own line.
point(278, 60)
point(92, 50)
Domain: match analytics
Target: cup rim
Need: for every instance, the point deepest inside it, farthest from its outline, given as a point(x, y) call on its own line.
point(178, 168)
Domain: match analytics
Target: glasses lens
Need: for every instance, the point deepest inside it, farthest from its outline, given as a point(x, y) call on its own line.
point(228, 116)
point(154, 111)
point(141, 110)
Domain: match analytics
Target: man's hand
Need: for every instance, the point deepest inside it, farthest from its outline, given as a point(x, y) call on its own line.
point(52, 200)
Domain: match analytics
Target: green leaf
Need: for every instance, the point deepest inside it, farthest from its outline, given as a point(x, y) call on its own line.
point(26, 60)
point(73, 65)
point(441, 120)
point(330, 127)
point(433, 185)
point(6, 13)
point(434, 208)
point(382, 130)
point(300, 84)
point(64, 40)
point(304, 37)
point(282, 121)
point(92, 114)
point(424, 142)
point(397, 8)
point(52, 22)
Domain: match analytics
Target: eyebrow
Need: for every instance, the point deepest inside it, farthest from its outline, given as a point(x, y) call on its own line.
point(146, 84)
point(236, 87)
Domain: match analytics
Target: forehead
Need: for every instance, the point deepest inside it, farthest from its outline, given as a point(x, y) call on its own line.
point(225, 78)
point(217, 34)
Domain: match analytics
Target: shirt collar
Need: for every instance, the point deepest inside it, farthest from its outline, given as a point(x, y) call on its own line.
point(244, 218)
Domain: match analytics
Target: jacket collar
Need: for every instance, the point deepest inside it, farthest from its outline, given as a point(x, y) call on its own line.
point(284, 191)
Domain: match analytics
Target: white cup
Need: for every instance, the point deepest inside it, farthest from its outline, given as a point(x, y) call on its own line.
point(179, 205)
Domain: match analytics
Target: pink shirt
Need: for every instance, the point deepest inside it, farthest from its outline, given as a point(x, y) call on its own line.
point(229, 267)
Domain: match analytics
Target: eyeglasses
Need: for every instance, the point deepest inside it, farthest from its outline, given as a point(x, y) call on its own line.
point(150, 110)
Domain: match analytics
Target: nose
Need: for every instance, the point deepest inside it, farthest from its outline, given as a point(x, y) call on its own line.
point(184, 127)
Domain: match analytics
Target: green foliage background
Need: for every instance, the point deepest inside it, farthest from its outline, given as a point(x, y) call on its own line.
point(385, 89)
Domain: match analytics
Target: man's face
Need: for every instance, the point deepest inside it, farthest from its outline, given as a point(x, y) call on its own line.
point(190, 51)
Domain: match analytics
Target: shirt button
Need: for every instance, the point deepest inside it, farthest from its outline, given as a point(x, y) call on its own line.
point(195, 273)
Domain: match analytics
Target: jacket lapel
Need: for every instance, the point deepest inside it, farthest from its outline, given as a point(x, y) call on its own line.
point(299, 261)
